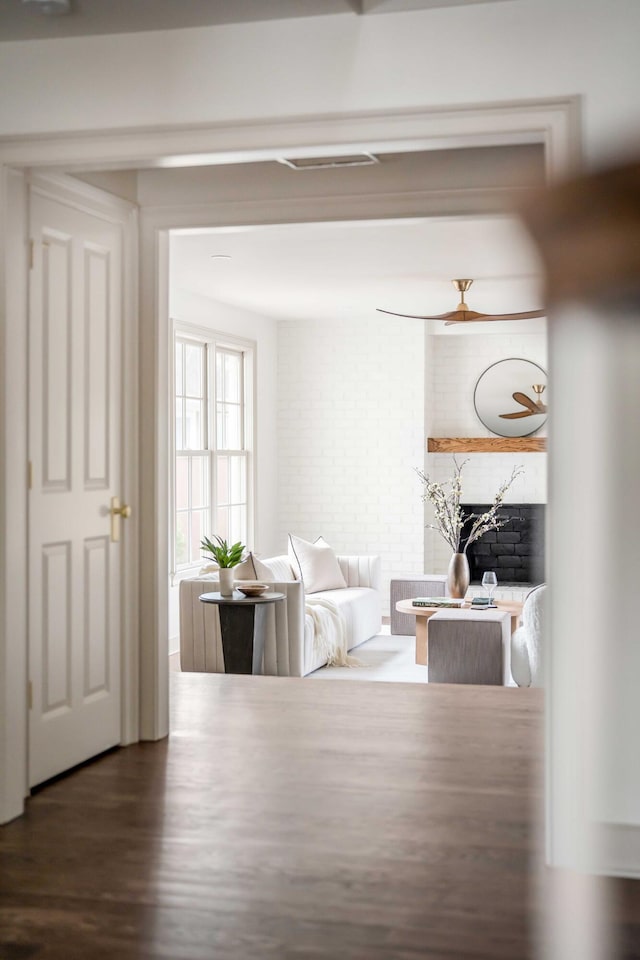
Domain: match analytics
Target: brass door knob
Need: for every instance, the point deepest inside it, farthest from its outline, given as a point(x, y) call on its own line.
point(117, 511)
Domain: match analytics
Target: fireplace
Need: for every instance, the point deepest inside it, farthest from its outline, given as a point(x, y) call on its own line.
point(515, 551)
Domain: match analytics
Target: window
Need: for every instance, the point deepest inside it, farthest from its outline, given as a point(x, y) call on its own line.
point(213, 444)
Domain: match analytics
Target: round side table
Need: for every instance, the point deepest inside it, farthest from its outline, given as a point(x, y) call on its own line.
point(242, 628)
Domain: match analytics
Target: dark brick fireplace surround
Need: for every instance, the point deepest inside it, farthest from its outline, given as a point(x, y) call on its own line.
point(515, 551)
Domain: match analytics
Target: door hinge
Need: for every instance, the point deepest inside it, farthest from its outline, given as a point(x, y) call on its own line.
point(30, 695)
point(30, 475)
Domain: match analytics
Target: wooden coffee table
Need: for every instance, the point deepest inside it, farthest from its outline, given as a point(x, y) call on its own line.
point(422, 615)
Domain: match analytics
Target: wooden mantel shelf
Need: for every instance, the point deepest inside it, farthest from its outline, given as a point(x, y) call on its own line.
point(487, 444)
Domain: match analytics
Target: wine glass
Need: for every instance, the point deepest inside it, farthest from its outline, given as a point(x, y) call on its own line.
point(489, 582)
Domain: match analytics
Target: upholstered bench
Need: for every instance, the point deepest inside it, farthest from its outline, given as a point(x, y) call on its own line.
point(470, 646)
point(409, 587)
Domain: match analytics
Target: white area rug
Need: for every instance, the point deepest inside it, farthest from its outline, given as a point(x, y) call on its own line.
point(385, 657)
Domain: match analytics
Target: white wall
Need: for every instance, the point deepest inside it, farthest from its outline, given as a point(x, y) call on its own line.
point(456, 363)
point(189, 307)
point(595, 468)
point(527, 49)
point(350, 432)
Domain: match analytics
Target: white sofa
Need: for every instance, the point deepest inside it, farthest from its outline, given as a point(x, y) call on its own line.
point(289, 649)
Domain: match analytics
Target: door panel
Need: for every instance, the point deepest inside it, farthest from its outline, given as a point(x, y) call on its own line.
point(55, 363)
point(56, 628)
point(97, 632)
point(75, 403)
point(97, 400)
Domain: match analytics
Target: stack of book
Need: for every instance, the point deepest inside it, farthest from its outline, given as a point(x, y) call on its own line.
point(485, 603)
point(436, 602)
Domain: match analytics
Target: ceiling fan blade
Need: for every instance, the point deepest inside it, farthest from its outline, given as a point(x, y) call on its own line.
point(413, 316)
point(523, 315)
point(462, 314)
point(470, 316)
point(526, 401)
point(516, 416)
point(465, 316)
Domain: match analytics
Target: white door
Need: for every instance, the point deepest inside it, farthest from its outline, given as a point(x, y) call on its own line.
point(75, 425)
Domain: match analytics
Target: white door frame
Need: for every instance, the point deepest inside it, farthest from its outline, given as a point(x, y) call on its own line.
point(552, 122)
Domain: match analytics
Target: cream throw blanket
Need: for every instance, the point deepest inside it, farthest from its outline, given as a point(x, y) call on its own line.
point(329, 633)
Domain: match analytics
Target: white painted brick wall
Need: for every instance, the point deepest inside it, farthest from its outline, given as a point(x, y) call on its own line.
point(350, 432)
point(356, 401)
point(456, 363)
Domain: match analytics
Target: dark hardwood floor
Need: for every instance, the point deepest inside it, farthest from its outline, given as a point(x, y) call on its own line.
point(285, 819)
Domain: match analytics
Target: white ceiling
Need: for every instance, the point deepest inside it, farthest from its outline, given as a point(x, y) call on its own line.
point(345, 270)
point(24, 21)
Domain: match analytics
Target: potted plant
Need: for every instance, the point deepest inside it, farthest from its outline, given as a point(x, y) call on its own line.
point(227, 557)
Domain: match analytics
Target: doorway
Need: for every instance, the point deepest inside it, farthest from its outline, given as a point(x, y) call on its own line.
point(553, 123)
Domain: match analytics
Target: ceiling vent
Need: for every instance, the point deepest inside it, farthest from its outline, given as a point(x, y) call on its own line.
point(322, 163)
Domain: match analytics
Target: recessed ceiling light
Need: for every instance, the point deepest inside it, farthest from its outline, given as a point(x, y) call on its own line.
point(48, 8)
point(220, 256)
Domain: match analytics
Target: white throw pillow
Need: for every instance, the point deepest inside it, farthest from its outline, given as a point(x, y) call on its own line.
point(315, 564)
point(251, 569)
point(279, 568)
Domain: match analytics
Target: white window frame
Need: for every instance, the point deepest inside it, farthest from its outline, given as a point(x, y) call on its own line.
point(215, 340)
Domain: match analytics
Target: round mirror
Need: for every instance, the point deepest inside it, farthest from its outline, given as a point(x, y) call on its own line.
point(510, 397)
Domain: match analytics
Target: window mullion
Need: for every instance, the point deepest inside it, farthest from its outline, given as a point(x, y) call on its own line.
point(243, 411)
point(213, 435)
point(189, 507)
point(184, 396)
point(220, 391)
point(205, 381)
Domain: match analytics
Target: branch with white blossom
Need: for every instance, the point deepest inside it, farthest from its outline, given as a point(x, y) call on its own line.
point(449, 519)
point(489, 520)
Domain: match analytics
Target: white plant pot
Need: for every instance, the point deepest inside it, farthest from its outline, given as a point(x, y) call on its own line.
point(226, 576)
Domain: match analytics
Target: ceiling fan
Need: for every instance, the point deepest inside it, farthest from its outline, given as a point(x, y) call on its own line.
point(532, 407)
point(462, 314)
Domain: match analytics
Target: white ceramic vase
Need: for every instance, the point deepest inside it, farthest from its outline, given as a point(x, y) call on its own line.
point(226, 576)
